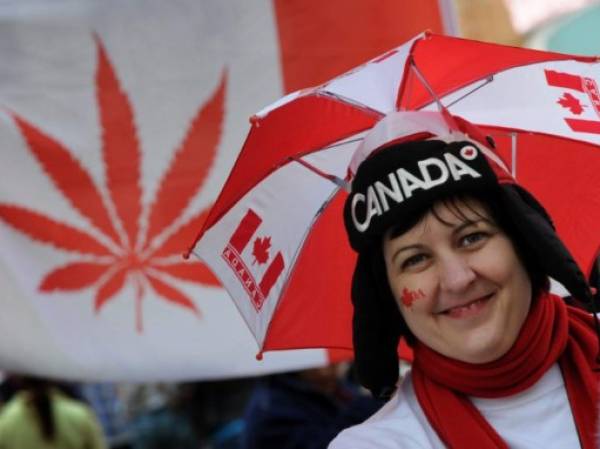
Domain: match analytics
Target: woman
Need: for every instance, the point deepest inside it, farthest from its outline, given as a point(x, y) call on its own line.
point(455, 257)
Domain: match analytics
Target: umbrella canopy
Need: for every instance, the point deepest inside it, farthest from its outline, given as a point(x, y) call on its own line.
point(275, 236)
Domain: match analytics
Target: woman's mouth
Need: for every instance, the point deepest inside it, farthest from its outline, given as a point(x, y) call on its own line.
point(470, 309)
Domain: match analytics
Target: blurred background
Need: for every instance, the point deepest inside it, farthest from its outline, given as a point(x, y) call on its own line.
point(119, 121)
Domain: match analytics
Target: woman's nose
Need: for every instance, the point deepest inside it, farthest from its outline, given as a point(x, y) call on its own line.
point(455, 273)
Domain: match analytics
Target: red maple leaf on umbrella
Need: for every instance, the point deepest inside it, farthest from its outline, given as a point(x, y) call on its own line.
point(150, 257)
point(260, 250)
point(568, 101)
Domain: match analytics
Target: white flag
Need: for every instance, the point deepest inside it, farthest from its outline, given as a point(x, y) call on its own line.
point(119, 122)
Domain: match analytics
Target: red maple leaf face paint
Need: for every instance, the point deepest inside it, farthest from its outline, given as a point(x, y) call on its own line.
point(410, 296)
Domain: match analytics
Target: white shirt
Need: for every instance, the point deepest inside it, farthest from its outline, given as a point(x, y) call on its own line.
point(539, 417)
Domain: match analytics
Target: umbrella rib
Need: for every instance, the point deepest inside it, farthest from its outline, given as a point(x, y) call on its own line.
point(488, 80)
point(333, 178)
point(339, 144)
point(423, 80)
point(349, 101)
point(435, 97)
point(513, 144)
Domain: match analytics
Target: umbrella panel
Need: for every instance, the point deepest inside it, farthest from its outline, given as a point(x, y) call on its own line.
point(295, 129)
point(255, 247)
point(561, 174)
point(449, 64)
point(315, 307)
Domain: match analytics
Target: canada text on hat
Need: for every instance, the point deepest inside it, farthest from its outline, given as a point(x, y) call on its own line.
point(399, 184)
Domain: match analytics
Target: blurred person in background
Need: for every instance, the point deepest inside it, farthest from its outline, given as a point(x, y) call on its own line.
point(304, 409)
point(215, 410)
point(8, 388)
point(155, 421)
point(105, 400)
point(191, 415)
point(40, 416)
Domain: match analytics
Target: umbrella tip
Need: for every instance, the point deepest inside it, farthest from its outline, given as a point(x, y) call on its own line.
point(259, 356)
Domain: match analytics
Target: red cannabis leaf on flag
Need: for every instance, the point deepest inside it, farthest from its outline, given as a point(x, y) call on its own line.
point(260, 250)
point(124, 253)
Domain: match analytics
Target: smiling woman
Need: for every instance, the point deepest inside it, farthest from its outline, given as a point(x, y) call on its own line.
point(459, 266)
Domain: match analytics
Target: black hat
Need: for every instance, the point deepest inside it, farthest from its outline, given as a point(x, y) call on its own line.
point(402, 178)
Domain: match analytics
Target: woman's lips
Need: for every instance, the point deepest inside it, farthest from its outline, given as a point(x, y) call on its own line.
point(470, 309)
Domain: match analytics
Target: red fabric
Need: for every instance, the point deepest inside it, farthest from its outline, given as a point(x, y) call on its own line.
point(553, 332)
point(319, 40)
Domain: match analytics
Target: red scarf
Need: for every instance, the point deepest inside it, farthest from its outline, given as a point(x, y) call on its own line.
point(552, 332)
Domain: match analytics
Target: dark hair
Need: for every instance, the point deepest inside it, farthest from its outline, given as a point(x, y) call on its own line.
point(42, 403)
point(456, 204)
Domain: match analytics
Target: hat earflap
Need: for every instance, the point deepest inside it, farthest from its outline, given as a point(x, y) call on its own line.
point(535, 225)
point(376, 327)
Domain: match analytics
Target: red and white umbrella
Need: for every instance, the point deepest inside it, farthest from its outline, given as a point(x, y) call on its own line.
point(275, 235)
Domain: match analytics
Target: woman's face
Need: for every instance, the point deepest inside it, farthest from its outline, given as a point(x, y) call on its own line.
point(459, 283)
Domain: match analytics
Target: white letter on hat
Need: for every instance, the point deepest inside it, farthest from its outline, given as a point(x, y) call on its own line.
point(409, 182)
point(394, 192)
point(424, 166)
point(459, 168)
point(357, 224)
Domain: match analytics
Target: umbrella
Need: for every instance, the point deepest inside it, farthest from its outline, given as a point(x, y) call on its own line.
point(275, 235)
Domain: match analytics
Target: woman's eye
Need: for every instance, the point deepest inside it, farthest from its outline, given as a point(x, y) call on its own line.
point(472, 238)
point(414, 261)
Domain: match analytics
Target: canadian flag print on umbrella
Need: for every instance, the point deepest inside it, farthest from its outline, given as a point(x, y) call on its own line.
point(292, 174)
point(233, 256)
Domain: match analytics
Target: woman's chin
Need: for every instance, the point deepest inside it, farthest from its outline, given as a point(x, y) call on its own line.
point(481, 346)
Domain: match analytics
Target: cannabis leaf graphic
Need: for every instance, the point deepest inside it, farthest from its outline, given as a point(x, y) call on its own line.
point(150, 259)
point(260, 250)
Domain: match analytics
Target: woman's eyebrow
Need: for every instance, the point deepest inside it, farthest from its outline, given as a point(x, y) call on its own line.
point(468, 223)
